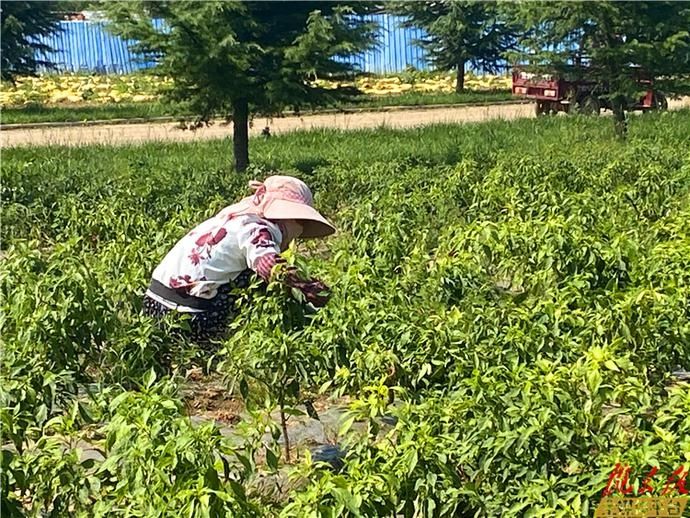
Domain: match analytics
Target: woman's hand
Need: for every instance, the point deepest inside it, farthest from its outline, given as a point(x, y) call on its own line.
point(314, 290)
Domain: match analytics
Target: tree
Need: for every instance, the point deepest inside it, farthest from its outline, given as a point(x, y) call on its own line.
point(236, 59)
point(74, 6)
point(611, 43)
point(460, 32)
point(22, 24)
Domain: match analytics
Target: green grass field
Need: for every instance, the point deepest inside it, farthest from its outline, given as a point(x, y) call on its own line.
point(37, 113)
point(522, 287)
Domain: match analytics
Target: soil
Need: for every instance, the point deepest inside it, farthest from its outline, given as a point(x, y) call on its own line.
point(207, 397)
point(133, 133)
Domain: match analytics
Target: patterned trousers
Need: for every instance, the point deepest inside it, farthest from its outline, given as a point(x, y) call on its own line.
point(205, 326)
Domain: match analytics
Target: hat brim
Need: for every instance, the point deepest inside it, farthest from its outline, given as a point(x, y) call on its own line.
point(313, 223)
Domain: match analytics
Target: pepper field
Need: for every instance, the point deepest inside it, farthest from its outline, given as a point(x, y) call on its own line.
point(521, 288)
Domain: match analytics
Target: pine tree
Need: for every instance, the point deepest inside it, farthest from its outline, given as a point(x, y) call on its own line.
point(22, 23)
point(615, 44)
point(235, 59)
point(460, 32)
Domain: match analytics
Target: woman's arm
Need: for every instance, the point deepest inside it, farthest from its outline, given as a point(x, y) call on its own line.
point(262, 246)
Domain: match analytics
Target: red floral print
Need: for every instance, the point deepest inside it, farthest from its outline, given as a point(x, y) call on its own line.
point(263, 239)
point(261, 235)
point(203, 239)
point(218, 236)
point(195, 257)
point(210, 239)
point(181, 281)
point(207, 240)
point(243, 240)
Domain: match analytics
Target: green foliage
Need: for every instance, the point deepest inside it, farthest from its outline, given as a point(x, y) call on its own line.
point(75, 6)
point(267, 348)
point(612, 36)
point(460, 32)
point(619, 46)
point(525, 301)
point(23, 22)
point(148, 460)
point(234, 58)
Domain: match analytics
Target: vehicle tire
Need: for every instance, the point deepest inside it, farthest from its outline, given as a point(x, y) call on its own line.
point(659, 102)
point(589, 105)
point(546, 108)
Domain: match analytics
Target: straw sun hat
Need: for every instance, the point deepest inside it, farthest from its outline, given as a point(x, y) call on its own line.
point(285, 197)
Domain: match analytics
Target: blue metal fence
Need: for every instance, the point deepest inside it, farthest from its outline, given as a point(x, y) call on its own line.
point(87, 46)
point(396, 49)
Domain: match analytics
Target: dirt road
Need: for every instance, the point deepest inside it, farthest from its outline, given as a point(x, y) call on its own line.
point(130, 133)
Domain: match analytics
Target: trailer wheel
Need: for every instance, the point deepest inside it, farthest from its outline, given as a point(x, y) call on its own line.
point(546, 108)
point(589, 105)
point(659, 102)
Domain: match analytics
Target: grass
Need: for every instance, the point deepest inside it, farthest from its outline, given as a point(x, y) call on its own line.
point(429, 98)
point(305, 151)
point(34, 113)
point(38, 113)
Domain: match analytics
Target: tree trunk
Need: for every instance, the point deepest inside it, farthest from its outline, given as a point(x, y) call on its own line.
point(460, 77)
point(620, 124)
point(240, 134)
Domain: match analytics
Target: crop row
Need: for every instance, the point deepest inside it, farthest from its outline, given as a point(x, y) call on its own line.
point(524, 301)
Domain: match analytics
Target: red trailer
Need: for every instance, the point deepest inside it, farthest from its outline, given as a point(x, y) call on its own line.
point(555, 94)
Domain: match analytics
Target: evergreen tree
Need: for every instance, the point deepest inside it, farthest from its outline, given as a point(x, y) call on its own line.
point(236, 59)
point(22, 23)
point(615, 44)
point(460, 32)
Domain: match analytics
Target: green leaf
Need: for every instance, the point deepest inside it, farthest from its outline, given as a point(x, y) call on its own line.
point(244, 389)
point(88, 463)
point(347, 424)
point(150, 378)
point(271, 459)
point(611, 365)
point(351, 502)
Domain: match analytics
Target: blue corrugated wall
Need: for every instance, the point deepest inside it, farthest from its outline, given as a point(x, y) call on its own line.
point(86, 46)
point(395, 50)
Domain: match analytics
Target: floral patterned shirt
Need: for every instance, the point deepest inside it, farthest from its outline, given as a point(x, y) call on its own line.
point(217, 251)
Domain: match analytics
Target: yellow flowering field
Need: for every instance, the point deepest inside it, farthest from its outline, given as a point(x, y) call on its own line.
point(444, 83)
point(135, 88)
point(91, 89)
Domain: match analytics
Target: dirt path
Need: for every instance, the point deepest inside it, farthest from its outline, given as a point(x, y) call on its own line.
point(130, 133)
